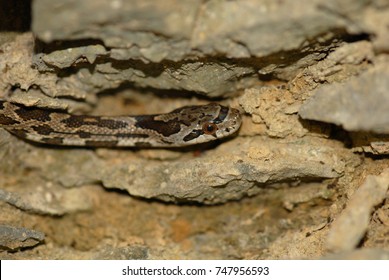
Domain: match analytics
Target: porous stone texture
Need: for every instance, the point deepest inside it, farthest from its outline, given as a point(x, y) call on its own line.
point(293, 183)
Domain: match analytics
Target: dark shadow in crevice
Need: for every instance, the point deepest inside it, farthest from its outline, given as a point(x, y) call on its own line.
point(328, 130)
point(349, 139)
point(282, 59)
point(15, 15)
point(57, 45)
point(160, 93)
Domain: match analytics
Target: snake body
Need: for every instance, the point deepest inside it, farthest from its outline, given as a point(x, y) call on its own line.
point(181, 127)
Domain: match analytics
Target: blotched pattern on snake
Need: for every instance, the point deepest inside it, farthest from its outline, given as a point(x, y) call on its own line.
point(181, 127)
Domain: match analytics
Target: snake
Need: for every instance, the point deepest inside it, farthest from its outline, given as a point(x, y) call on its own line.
point(184, 126)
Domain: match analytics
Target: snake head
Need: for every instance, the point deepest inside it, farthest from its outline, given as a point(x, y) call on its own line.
point(206, 123)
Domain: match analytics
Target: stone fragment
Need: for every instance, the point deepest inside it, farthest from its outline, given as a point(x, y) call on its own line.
point(360, 104)
point(349, 228)
point(16, 238)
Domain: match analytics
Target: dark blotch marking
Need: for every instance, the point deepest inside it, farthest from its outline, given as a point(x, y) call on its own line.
point(4, 120)
point(78, 121)
point(97, 143)
point(43, 129)
point(74, 121)
point(84, 134)
point(185, 121)
point(27, 113)
point(2, 105)
point(165, 128)
point(193, 135)
point(19, 133)
point(142, 144)
point(53, 141)
point(131, 135)
point(193, 120)
point(222, 114)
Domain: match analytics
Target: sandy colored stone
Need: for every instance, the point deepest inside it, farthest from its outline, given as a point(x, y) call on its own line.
point(270, 192)
point(360, 254)
point(349, 228)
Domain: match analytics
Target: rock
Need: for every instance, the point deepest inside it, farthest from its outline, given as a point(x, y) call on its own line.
point(213, 177)
point(200, 47)
point(275, 187)
point(349, 228)
point(51, 200)
point(372, 143)
point(225, 174)
point(135, 252)
point(360, 104)
point(359, 254)
point(34, 193)
point(16, 238)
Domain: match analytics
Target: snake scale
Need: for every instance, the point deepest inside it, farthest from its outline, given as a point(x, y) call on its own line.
point(181, 127)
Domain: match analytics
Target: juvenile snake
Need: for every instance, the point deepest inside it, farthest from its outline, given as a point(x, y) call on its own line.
point(181, 127)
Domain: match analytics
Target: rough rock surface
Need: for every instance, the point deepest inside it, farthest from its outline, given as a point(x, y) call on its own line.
point(348, 230)
point(189, 45)
point(311, 85)
point(360, 104)
point(12, 238)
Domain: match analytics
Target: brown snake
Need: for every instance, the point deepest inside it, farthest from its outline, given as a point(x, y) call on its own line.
point(181, 127)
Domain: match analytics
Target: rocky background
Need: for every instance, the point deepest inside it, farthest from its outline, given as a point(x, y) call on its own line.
point(306, 177)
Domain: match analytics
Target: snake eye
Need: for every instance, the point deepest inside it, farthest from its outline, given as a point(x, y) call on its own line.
point(209, 128)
